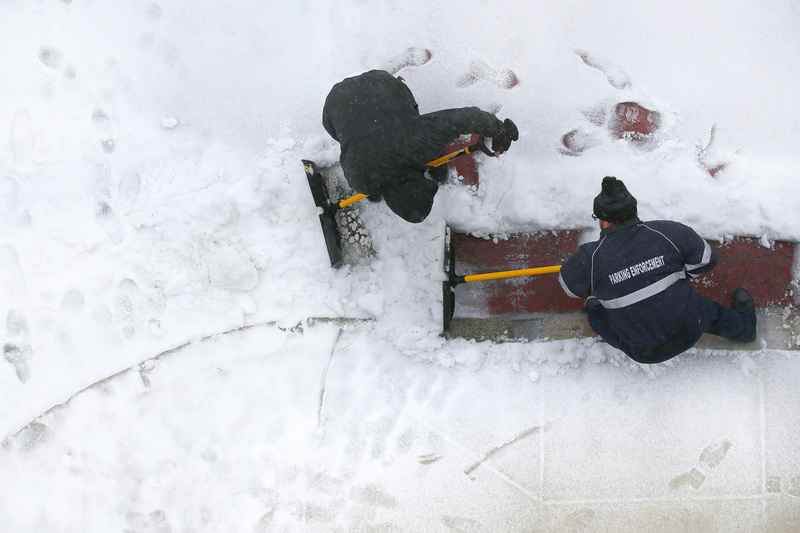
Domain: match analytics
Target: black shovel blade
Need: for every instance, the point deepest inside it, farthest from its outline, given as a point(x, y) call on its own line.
point(327, 219)
point(448, 306)
point(448, 288)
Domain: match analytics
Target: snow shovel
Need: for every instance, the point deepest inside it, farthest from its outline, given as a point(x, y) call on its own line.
point(449, 285)
point(330, 230)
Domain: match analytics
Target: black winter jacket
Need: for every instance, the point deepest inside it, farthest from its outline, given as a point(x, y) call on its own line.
point(639, 272)
point(384, 140)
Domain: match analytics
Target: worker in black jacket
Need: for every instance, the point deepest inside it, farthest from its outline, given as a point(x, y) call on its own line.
point(386, 144)
point(636, 281)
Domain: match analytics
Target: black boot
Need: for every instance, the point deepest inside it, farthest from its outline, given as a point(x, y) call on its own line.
point(742, 298)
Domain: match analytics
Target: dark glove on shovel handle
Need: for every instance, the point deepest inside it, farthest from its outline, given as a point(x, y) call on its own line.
point(511, 129)
point(502, 141)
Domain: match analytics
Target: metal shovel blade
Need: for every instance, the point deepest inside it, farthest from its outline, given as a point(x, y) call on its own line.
point(327, 219)
point(448, 288)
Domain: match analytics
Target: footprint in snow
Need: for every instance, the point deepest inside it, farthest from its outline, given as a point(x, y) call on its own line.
point(72, 311)
point(618, 117)
point(479, 70)
point(794, 489)
point(124, 312)
point(18, 357)
point(711, 457)
point(127, 192)
point(577, 141)
point(14, 281)
point(412, 57)
point(153, 12)
point(615, 75)
point(156, 521)
point(693, 478)
point(17, 351)
point(714, 454)
point(102, 125)
point(54, 58)
point(709, 157)
point(773, 484)
point(10, 192)
point(107, 220)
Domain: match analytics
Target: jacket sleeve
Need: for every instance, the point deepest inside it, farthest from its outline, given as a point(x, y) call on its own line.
point(575, 275)
point(699, 256)
point(450, 123)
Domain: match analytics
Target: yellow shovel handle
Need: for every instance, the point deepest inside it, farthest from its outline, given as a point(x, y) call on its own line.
point(435, 163)
point(447, 158)
point(513, 273)
point(352, 200)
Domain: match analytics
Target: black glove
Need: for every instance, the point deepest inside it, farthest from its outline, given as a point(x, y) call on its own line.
point(502, 141)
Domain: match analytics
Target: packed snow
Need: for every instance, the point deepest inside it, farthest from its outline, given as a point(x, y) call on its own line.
point(175, 351)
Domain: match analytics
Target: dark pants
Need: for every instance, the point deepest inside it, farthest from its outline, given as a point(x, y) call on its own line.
point(715, 318)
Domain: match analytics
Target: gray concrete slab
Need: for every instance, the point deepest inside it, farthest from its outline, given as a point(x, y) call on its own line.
point(775, 331)
point(340, 431)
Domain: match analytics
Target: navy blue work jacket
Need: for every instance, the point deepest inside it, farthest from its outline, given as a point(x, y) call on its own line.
point(639, 271)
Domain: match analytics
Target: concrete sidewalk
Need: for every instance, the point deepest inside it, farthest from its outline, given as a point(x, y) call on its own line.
point(775, 332)
point(707, 444)
point(352, 434)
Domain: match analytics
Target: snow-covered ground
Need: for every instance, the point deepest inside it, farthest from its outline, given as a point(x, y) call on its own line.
point(152, 198)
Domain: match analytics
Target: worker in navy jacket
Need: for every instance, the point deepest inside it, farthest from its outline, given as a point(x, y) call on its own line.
point(386, 144)
point(636, 281)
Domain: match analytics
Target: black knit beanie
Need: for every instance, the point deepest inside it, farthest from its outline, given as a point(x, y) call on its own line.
point(614, 203)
